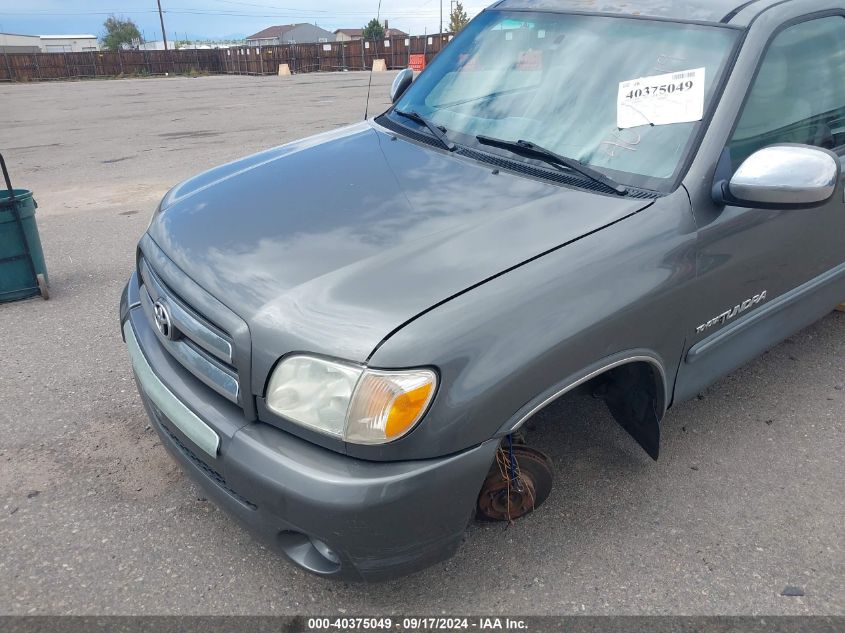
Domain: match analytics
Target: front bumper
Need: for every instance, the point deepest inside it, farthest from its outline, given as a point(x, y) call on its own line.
point(329, 513)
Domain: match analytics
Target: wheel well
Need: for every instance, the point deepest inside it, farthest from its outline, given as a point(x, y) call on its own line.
point(639, 375)
point(634, 390)
point(636, 397)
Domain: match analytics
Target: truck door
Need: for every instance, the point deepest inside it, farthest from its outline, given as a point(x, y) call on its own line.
point(764, 274)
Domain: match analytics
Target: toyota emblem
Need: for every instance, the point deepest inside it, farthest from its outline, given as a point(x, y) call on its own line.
point(162, 319)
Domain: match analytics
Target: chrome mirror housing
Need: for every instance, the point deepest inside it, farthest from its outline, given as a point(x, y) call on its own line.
point(400, 84)
point(784, 176)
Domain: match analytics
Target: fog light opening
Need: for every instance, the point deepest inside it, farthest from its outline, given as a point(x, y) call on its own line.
point(309, 552)
point(325, 550)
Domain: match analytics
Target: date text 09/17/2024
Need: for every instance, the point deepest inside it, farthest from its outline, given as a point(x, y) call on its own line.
point(416, 623)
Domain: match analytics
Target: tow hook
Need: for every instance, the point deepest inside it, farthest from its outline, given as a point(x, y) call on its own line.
point(519, 481)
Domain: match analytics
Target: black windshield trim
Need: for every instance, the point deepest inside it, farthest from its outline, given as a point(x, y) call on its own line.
point(530, 149)
point(731, 15)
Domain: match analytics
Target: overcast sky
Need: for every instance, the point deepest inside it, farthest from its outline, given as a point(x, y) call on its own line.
point(219, 18)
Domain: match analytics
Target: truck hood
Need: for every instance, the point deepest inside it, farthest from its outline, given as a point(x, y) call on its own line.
point(331, 243)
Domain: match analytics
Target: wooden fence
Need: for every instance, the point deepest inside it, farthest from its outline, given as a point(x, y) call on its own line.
point(243, 60)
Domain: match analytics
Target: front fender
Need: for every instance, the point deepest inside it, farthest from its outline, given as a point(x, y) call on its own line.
point(506, 346)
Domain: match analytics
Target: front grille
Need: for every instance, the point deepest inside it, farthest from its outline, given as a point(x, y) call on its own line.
point(204, 349)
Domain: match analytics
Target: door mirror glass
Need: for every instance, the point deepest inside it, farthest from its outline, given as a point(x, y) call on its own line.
point(400, 84)
point(782, 177)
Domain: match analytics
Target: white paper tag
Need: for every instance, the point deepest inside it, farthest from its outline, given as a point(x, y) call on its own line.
point(661, 100)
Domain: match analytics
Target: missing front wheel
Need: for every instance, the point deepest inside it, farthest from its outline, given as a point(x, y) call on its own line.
point(519, 481)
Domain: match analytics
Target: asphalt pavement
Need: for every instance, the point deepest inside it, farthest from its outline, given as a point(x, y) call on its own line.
point(95, 518)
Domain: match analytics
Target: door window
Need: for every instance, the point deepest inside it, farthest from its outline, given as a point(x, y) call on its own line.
point(798, 95)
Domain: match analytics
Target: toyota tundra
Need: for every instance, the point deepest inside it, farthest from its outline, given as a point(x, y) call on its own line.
point(341, 339)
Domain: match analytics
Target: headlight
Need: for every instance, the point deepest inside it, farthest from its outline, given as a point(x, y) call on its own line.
point(358, 405)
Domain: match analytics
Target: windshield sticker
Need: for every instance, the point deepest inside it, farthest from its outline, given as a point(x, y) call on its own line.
point(624, 139)
point(669, 64)
point(661, 99)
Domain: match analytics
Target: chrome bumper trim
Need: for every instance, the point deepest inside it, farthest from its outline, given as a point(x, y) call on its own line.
point(181, 416)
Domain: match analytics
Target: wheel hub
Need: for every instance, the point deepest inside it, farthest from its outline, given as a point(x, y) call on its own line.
point(503, 501)
point(515, 488)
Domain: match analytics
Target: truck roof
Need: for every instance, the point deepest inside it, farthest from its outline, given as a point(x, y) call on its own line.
point(735, 12)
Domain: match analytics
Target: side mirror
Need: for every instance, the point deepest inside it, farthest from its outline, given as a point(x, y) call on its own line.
point(400, 84)
point(784, 176)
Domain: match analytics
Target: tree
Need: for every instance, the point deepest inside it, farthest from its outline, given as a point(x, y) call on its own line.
point(373, 31)
point(458, 19)
point(119, 33)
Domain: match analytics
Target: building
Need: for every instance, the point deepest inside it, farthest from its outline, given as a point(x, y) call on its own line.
point(302, 33)
point(158, 45)
point(68, 43)
point(154, 45)
point(345, 35)
point(14, 43)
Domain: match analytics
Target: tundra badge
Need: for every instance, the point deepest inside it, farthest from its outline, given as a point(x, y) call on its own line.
point(727, 315)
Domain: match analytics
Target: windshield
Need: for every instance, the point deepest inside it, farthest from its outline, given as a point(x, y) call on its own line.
point(569, 84)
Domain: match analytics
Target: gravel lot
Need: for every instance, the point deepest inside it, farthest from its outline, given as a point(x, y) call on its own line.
point(96, 519)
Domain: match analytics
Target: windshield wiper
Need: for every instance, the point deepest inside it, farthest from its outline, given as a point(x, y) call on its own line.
point(438, 131)
point(530, 150)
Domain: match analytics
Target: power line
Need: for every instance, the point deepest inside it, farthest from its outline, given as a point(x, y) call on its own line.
point(269, 6)
point(195, 11)
point(51, 13)
point(188, 11)
point(423, 12)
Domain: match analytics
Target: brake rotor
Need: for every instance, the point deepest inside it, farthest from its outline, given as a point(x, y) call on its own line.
point(505, 497)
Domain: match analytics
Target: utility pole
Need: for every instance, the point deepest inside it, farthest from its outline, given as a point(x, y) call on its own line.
point(161, 19)
point(441, 22)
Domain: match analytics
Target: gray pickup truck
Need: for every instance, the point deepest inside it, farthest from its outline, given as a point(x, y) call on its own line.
point(341, 338)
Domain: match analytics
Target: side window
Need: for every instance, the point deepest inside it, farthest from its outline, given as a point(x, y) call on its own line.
point(799, 93)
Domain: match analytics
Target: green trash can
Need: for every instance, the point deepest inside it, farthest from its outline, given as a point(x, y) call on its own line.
point(23, 272)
